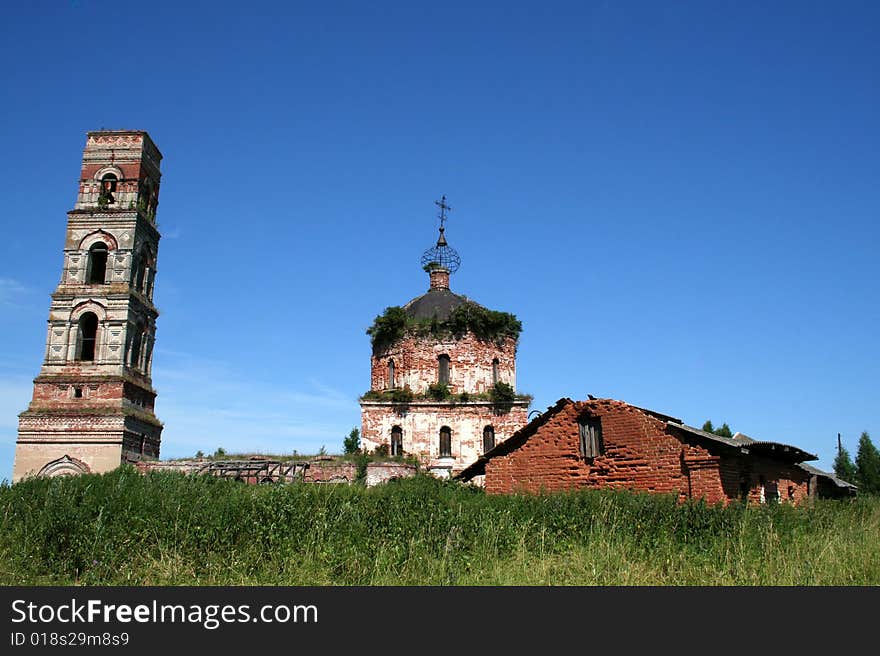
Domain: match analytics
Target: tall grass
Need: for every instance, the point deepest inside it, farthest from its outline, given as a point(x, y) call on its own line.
point(124, 528)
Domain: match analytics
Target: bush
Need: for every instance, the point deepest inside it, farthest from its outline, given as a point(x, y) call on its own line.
point(438, 391)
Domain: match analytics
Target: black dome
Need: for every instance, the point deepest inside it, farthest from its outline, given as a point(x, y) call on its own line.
point(437, 302)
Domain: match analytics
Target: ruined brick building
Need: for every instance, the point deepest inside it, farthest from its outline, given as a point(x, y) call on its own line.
point(443, 373)
point(92, 406)
point(601, 443)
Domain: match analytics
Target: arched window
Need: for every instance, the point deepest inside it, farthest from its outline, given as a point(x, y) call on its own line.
point(445, 442)
point(443, 369)
point(140, 271)
point(108, 187)
point(97, 270)
point(488, 438)
point(495, 378)
point(136, 343)
point(88, 333)
point(397, 441)
point(391, 374)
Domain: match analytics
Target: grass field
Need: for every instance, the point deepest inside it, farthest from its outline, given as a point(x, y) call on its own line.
point(124, 528)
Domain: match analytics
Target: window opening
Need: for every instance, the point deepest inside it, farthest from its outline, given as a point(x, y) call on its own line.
point(397, 441)
point(590, 432)
point(445, 442)
point(88, 332)
point(488, 438)
point(97, 264)
point(443, 369)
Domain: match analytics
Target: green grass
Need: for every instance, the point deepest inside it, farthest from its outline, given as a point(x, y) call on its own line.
point(124, 528)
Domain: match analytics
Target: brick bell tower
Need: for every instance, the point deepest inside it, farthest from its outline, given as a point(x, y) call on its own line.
point(92, 407)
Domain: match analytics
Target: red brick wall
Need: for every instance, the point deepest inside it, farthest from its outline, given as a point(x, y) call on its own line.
point(639, 454)
point(470, 363)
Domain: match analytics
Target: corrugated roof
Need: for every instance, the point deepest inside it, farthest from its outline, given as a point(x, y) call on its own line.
point(744, 442)
point(839, 482)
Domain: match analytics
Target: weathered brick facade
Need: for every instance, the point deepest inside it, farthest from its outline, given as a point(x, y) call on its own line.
point(445, 433)
point(642, 450)
point(93, 400)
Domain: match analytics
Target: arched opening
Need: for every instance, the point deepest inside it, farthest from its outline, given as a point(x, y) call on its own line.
point(64, 466)
point(397, 441)
point(445, 442)
point(495, 377)
point(443, 369)
point(108, 188)
point(488, 438)
point(140, 270)
point(391, 374)
point(97, 270)
point(137, 341)
point(88, 335)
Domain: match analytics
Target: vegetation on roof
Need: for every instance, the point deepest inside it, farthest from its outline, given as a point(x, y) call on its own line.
point(487, 325)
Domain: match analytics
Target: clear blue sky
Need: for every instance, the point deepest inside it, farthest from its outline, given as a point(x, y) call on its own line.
point(678, 199)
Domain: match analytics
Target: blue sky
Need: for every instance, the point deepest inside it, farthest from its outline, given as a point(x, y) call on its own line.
point(679, 200)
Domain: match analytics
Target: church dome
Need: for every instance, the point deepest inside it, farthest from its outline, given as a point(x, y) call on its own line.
point(438, 303)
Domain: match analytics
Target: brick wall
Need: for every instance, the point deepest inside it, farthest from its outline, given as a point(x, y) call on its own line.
point(639, 453)
point(421, 423)
point(470, 363)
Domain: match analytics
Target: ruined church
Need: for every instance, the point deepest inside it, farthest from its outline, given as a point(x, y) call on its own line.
point(443, 373)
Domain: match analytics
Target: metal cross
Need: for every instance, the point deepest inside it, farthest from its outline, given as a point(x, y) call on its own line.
point(443, 209)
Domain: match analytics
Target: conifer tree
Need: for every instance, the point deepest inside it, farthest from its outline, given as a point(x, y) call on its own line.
point(708, 427)
point(352, 443)
point(868, 465)
point(724, 431)
point(844, 468)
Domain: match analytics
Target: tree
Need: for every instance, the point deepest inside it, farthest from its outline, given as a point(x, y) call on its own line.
point(844, 468)
point(868, 465)
point(724, 431)
point(352, 443)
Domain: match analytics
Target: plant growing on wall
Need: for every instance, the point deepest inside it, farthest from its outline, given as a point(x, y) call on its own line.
point(484, 324)
point(438, 391)
point(502, 396)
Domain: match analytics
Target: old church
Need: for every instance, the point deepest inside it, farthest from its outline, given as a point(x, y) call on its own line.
point(443, 373)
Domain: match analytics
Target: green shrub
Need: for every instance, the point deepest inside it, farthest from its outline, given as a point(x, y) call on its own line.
point(438, 391)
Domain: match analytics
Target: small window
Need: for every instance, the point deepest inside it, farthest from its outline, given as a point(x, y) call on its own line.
point(590, 432)
point(443, 369)
point(488, 438)
point(445, 442)
point(97, 264)
point(391, 374)
point(495, 377)
point(397, 441)
point(77, 392)
point(88, 333)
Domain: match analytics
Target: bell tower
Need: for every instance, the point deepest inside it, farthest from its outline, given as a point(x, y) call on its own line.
point(92, 407)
